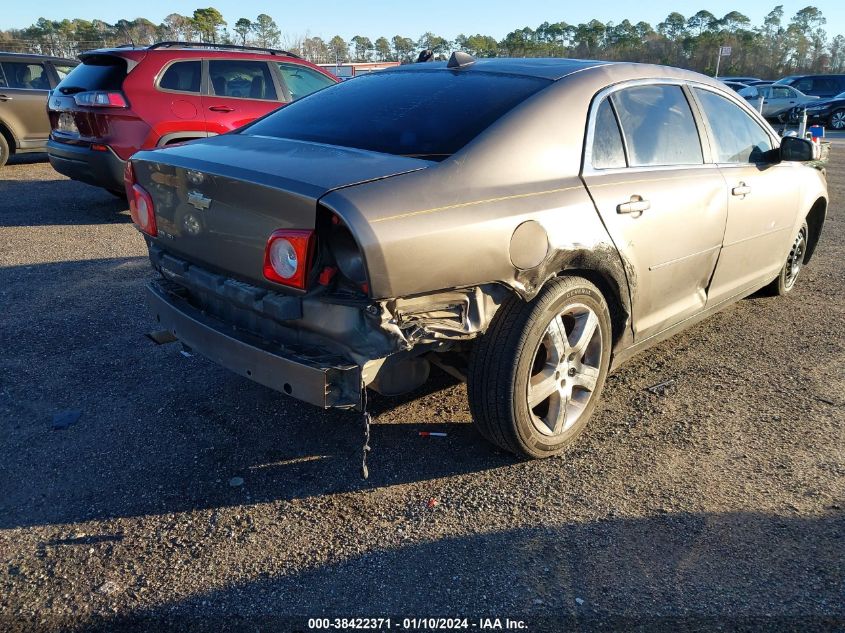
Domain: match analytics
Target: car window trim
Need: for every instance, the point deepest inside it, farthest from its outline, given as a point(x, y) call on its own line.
point(587, 157)
point(160, 75)
point(209, 87)
point(755, 116)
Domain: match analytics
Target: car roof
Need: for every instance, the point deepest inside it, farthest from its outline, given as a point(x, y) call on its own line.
point(540, 67)
point(557, 68)
point(34, 56)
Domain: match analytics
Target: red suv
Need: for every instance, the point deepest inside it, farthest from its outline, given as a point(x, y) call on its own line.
point(121, 100)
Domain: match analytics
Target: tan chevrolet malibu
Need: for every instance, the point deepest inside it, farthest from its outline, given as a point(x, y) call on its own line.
point(525, 224)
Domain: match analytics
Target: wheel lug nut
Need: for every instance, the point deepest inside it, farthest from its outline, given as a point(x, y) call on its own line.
point(571, 371)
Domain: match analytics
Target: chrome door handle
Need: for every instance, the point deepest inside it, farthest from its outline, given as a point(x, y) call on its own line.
point(636, 205)
point(741, 190)
point(5, 98)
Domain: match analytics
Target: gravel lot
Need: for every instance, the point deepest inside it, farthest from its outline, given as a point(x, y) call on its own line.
point(718, 504)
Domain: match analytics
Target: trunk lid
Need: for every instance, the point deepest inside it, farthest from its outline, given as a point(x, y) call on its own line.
point(218, 200)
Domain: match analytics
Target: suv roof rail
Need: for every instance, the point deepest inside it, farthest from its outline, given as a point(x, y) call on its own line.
point(228, 47)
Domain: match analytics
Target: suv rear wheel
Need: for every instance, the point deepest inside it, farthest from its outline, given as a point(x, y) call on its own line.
point(536, 375)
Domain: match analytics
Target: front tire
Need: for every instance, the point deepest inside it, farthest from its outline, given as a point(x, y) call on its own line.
point(537, 373)
point(788, 275)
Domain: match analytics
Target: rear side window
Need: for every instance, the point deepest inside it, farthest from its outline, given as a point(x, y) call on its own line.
point(429, 114)
point(658, 125)
point(182, 77)
point(738, 137)
point(26, 75)
point(100, 72)
point(608, 151)
point(302, 81)
point(62, 70)
point(241, 78)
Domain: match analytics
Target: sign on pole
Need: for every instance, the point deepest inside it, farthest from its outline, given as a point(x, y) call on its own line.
point(725, 51)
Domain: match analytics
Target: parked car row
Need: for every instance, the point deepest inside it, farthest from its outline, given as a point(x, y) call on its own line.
point(120, 100)
point(786, 99)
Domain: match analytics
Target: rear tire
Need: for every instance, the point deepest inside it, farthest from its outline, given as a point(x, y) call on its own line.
point(4, 150)
point(788, 275)
point(837, 119)
point(537, 373)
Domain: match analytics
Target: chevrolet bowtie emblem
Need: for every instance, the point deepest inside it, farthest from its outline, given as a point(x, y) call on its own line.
point(198, 201)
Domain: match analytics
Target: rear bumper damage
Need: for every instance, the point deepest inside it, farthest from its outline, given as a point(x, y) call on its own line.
point(321, 348)
point(317, 380)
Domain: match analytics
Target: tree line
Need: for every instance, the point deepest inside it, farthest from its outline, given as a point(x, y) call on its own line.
point(777, 47)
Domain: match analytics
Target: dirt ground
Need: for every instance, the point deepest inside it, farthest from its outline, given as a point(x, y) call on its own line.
point(186, 497)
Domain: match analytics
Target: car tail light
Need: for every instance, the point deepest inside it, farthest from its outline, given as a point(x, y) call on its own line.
point(101, 99)
point(287, 257)
point(140, 203)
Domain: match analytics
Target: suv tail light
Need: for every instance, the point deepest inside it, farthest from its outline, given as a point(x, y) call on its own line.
point(101, 99)
point(140, 203)
point(287, 257)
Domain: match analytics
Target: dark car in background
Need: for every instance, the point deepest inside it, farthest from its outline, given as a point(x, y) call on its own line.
point(121, 100)
point(823, 86)
point(25, 83)
point(827, 112)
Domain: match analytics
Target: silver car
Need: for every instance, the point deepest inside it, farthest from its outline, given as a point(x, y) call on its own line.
point(525, 224)
point(777, 100)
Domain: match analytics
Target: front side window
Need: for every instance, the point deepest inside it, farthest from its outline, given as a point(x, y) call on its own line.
point(241, 78)
point(26, 76)
point(738, 137)
point(302, 81)
point(182, 77)
point(658, 125)
point(608, 151)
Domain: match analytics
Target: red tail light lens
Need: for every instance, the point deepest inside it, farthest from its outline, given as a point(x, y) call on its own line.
point(287, 257)
point(140, 202)
point(101, 99)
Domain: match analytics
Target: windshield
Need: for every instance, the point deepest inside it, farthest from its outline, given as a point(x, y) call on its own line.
point(429, 114)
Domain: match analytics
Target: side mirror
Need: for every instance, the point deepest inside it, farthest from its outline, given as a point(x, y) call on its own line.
point(793, 148)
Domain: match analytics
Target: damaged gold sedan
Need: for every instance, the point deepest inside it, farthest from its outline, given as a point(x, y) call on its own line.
point(527, 225)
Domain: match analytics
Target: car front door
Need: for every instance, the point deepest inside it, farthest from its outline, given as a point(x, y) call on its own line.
point(24, 87)
point(762, 202)
point(239, 91)
point(664, 207)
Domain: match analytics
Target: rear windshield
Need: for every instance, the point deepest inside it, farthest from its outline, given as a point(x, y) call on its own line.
point(103, 72)
point(427, 114)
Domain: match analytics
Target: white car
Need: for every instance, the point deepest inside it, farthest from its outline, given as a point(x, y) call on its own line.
point(777, 100)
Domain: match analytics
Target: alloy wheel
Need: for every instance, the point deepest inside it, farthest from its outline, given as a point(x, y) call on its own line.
point(795, 259)
point(565, 370)
point(837, 120)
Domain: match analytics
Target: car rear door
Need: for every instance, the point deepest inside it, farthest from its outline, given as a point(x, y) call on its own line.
point(24, 86)
point(664, 207)
point(762, 200)
point(239, 91)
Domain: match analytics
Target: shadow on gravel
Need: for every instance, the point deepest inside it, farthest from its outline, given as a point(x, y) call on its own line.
point(58, 202)
point(162, 432)
point(732, 571)
point(28, 159)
